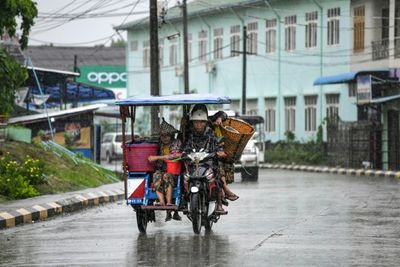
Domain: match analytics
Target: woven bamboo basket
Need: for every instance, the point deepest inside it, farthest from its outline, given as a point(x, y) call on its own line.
point(237, 133)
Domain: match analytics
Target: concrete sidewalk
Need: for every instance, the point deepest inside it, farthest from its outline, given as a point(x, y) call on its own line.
point(42, 207)
point(334, 170)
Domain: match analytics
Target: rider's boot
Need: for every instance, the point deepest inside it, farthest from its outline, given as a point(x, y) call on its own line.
point(176, 216)
point(168, 217)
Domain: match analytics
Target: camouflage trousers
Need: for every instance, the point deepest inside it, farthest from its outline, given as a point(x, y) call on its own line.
point(162, 180)
point(226, 171)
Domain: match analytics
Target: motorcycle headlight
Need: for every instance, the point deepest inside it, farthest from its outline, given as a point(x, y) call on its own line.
point(194, 189)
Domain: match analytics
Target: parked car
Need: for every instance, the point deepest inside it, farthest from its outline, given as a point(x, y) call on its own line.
point(254, 151)
point(111, 146)
point(249, 161)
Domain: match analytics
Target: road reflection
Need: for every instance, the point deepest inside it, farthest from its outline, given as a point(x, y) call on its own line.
point(171, 249)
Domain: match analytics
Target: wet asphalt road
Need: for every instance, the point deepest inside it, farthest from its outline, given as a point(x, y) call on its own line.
point(286, 219)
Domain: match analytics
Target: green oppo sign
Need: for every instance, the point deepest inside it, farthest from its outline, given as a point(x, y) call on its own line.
point(104, 76)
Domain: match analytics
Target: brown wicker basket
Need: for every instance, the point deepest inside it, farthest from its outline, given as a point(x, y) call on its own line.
point(237, 133)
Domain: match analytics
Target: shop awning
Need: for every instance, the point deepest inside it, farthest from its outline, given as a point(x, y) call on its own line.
point(384, 99)
point(347, 77)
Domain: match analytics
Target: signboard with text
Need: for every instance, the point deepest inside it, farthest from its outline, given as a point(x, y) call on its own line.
point(103, 76)
point(364, 89)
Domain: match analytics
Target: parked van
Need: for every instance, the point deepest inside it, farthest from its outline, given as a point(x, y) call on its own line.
point(111, 146)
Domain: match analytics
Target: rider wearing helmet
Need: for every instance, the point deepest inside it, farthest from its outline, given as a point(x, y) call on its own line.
point(201, 136)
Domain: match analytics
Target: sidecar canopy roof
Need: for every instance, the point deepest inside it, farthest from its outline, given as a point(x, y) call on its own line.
point(182, 99)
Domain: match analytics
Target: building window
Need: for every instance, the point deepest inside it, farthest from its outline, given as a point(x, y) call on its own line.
point(333, 26)
point(189, 46)
point(385, 23)
point(270, 114)
point(218, 43)
point(235, 40)
point(161, 52)
point(359, 28)
point(173, 54)
point(251, 107)
point(332, 107)
point(252, 37)
point(134, 46)
point(311, 29)
point(290, 114)
point(146, 54)
point(352, 89)
point(310, 112)
point(203, 46)
point(270, 36)
point(290, 33)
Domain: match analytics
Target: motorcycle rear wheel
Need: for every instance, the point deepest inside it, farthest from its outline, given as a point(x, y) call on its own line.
point(208, 224)
point(195, 210)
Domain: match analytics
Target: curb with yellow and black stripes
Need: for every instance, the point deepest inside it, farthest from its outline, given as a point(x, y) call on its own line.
point(43, 211)
point(334, 170)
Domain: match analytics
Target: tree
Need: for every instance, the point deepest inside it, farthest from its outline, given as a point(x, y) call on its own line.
point(118, 43)
point(12, 75)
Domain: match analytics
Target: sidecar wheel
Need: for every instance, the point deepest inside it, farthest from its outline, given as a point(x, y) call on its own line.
point(195, 210)
point(141, 219)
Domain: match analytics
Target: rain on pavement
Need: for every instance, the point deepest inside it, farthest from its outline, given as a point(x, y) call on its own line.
point(285, 219)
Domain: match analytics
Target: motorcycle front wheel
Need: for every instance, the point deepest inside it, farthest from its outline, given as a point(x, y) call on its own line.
point(195, 211)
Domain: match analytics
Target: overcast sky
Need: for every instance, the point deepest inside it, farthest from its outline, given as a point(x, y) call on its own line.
point(85, 22)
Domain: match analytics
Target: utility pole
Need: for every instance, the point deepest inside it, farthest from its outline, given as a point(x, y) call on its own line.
point(185, 48)
point(154, 64)
point(244, 70)
point(244, 53)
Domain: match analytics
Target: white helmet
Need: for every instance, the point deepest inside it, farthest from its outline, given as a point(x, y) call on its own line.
point(199, 115)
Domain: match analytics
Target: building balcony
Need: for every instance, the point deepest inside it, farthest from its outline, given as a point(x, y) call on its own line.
point(397, 47)
point(380, 49)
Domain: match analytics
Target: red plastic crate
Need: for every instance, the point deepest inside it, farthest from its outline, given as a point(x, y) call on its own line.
point(137, 157)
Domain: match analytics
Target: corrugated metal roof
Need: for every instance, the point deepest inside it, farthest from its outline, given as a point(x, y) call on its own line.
point(67, 73)
point(62, 58)
point(14, 50)
point(194, 9)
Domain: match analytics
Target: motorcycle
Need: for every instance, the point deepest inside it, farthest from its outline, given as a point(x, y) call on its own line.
point(201, 189)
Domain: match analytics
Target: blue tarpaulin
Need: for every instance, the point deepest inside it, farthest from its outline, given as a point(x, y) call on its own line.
point(346, 77)
point(72, 93)
point(183, 99)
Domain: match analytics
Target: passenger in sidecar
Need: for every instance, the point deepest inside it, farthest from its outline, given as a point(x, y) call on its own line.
point(163, 181)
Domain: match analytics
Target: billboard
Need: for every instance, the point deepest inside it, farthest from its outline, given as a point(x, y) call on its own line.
point(103, 76)
point(364, 89)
